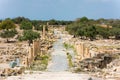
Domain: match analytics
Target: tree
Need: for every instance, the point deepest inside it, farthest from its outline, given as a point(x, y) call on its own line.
point(18, 20)
point(29, 35)
point(35, 22)
point(80, 33)
point(88, 28)
point(82, 20)
point(53, 22)
point(101, 21)
point(38, 27)
point(0, 21)
point(7, 24)
point(8, 28)
point(103, 32)
point(91, 32)
point(26, 25)
point(115, 32)
point(8, 34)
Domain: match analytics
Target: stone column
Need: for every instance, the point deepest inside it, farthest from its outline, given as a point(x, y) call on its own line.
point(82, 50)
point(26, 62)
point(37, 47)
point(47, 23)
point(33, 46)
point(79, 51)
point(87, 54)
point(31, 55)
point(43, 32)
point(76, 47)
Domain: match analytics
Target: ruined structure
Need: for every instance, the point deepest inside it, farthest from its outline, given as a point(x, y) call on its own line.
point(82, 51)
point(24, 52)
point(34, 50)
point(97, 57)
point(43, 32)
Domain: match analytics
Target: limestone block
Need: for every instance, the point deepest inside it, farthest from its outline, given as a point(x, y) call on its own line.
point(8, 71)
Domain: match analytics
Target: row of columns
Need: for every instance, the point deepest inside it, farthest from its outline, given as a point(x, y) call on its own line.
point(35, 49)
point(82, 51)
point(33, 52)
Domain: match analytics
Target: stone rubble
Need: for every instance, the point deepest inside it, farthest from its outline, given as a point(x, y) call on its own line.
point(26, 54)
point(97, 57)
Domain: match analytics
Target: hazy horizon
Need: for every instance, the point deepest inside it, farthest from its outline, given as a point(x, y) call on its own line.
point(60, 9)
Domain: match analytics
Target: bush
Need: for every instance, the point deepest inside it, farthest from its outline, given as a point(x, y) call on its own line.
point(8, 33)
point(26, 25)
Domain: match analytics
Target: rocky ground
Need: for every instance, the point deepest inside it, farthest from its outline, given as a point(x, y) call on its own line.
point(105, 61)
point(53, 76)
point(103, 69)
point(57, 69)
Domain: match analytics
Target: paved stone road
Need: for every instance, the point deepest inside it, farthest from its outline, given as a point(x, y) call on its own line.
point(56, 69)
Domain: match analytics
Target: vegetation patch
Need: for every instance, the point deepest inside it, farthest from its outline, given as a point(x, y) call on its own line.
point(89, 29)
point(29, 35)
point(8, 33)
point(69, 57)
point(67, 46)
point(40, 63)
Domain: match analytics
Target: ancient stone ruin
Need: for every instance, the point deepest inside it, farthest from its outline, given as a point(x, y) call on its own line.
point(100, 58)
point(20, 55)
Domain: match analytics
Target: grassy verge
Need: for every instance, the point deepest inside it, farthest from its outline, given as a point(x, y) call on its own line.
point(69, 57)
point(40, 63)
point(67, 46)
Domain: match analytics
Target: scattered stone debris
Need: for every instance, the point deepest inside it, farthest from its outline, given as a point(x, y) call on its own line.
point(93, 64)
point(12, 71)
point(100, 58)
point(15, 56)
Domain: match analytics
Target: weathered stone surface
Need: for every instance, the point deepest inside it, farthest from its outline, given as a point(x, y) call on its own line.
point(98, 62)
point(12, 71)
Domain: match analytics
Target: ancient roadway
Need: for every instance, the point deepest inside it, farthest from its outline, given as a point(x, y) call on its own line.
point(57, 68)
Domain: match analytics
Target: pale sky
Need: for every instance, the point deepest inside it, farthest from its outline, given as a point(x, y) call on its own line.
point(60, 9)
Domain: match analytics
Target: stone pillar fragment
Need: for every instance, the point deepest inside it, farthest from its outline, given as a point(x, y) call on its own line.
point(43, 32)
point(87, 54)
point(26, 63)
point(31, 55)
point(33, 48)
point(82, 50)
